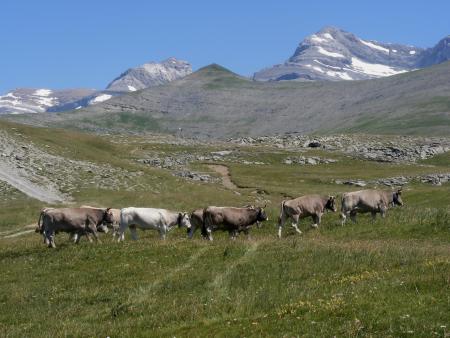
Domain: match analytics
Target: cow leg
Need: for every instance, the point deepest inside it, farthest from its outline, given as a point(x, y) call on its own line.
point(353, 216)
point(162, 233)
point(232, 234)
point(208, 233)
point(78, 237)
point(383, 210)
point(295, 223)
point(316, 220)
point(374, 215)
point(50, 238)
point(281, 222)
point(190, 232)
point(133, 231)
point(92, 229)
point(46, 241)
point(247, 233)
point(74, 237)
point(121, 232)
point(344, 215)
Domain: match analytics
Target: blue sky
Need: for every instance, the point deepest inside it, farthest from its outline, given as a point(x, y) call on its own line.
point(66, 44)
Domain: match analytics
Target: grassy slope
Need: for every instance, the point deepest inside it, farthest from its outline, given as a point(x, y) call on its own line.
point(214, 102)
point(388, 278)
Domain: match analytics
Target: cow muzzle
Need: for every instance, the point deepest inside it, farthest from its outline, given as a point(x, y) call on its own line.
point(102, 228)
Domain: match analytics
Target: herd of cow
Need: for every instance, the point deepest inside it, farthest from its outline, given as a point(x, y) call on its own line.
point(88, 220)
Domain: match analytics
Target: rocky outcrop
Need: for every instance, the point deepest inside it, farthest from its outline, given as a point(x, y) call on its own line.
point(313, 160)
point(434, 179)
point(374, 148)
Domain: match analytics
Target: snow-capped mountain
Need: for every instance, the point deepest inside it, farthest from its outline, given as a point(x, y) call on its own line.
point(150, 74)
point(32, 100)
point(334, 54)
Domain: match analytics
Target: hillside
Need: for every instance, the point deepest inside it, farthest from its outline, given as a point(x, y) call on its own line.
point(214, 102)
point(387, 277)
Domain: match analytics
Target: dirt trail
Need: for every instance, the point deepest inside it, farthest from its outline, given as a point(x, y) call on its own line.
point(17, 234)
point(225, 173)
point(27, 187)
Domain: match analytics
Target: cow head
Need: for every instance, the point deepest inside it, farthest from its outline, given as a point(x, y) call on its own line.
point(262, 216)
point(397, 198)
point(184, 220)
point(331, 204)
point(108, 219)
point(108, 216)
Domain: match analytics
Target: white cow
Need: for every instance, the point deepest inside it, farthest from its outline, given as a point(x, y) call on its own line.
point(149, 218)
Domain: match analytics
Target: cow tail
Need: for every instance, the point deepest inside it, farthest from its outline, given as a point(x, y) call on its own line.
point(121, 222)
point(281, 212)
point(39, 224)
point(204, 224)
point(342, 215)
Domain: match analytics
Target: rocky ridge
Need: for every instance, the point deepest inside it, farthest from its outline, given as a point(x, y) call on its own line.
point(375, 148)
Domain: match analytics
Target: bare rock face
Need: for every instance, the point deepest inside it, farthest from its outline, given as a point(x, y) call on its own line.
point(334, 54)
point(150, 74)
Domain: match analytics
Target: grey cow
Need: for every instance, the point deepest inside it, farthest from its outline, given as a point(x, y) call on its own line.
point(80, 221)
point(370, 200)
point(306, 206)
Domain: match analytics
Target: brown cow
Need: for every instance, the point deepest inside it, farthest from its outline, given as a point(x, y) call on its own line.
point(82, 221)
point(230, 219)
point(116, 218)
point(305, 206)
point(196, 218)
point(369, 200)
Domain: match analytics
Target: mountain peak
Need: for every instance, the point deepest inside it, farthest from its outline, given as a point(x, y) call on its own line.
point(334, 54)
point(150, 74)
point(330, 29)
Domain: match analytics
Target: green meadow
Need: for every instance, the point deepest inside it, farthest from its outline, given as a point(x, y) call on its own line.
point(388, 278)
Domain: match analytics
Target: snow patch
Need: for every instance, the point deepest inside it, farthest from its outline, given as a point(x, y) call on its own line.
point(322, 38)
point(315, 38)
point(132, 89)
point(340, 75)
point(47, 101)
point(325, 65)
point(100, 98)
point(42, 92)
point(374, 46)
point(412, 52)
point(79, 107)
point(374, 69)
point(318, 69)
point(394, 50)
point(327, 53)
